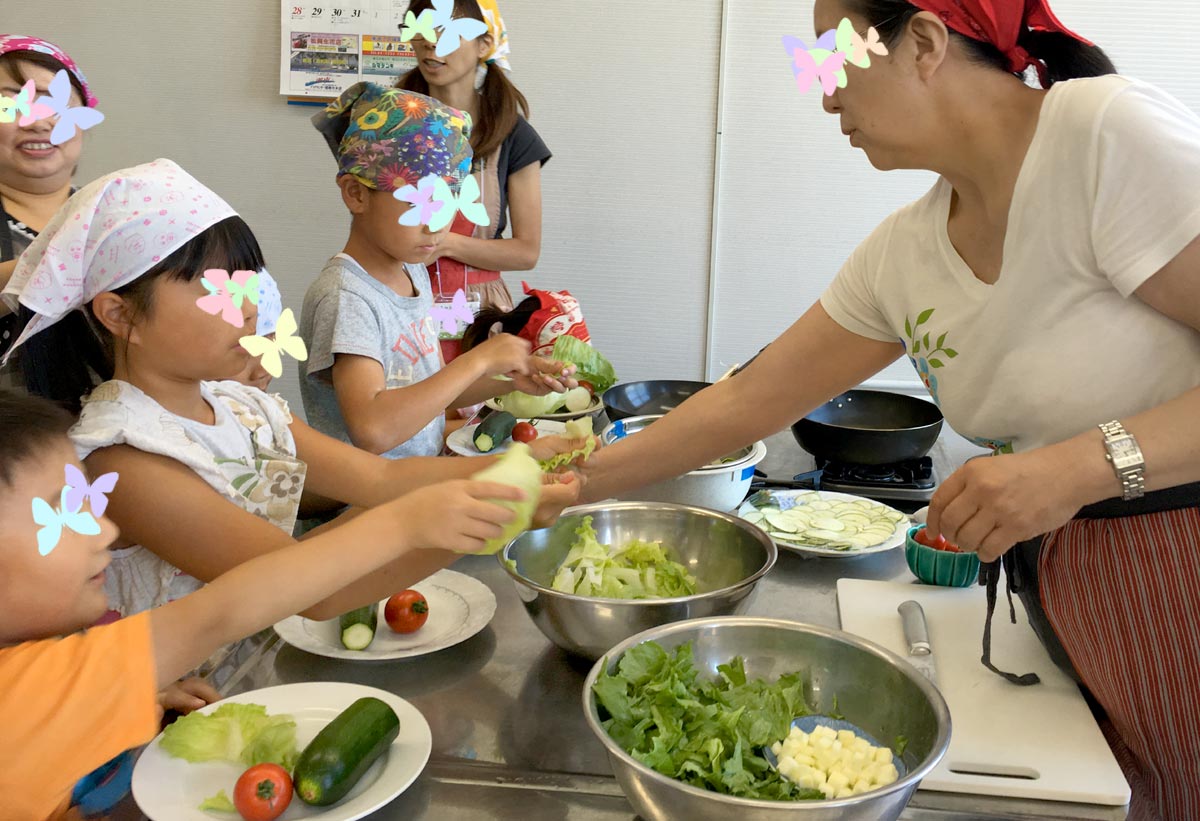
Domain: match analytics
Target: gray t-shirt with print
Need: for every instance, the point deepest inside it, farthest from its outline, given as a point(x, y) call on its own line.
point(348, 311)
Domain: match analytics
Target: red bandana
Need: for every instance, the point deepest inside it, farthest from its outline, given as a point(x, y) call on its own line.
point(1000, 22)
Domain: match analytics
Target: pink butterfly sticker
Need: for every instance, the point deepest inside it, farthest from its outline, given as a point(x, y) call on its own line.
point(808, 70)
point(79, 490)
point(226, 294)
point(449, 317)
point(421, 196)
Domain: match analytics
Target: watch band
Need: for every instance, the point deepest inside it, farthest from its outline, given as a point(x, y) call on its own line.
point(1131, 475)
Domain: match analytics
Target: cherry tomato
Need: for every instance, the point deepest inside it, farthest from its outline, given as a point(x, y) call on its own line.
point(263, 792)
point(406, 612)
point(591, 389)
point(524, 432)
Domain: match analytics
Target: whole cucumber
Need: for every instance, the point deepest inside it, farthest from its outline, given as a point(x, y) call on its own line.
point(344, 750)
point(493, 431)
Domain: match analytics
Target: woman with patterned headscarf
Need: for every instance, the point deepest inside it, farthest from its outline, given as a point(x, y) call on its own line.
point(509, 156)
point(35, 176)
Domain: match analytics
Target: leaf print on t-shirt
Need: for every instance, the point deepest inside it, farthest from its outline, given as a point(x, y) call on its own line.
point(926, 353)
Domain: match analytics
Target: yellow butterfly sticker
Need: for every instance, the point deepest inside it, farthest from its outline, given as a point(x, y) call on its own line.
point(271, 350)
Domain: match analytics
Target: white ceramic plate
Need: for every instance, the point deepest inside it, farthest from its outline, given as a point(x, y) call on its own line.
point(895, 540)
point(462, 440)
point(459, 607)
point(596, 405)
point(171, 789)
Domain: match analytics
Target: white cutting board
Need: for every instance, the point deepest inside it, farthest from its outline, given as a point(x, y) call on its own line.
point(1045, 732)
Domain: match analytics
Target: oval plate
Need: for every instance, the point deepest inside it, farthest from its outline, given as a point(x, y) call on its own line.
point(459, 607)
point(895, 540)
point(170, 789)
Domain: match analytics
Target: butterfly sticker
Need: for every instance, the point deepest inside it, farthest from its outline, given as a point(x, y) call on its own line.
point(285, 341)
point(466, 202)
point(857, 50)
point(819, 63)
point(419, 26)
point(24, 105)
point(53, 520)
point(421, 196)
point(226, 294)
point(79, 490)
point(70, 117)
point(455, 31)
point(449, 317)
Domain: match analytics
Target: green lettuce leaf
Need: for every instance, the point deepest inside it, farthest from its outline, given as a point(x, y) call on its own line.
point(707, 733)
point(518, 468)
point(239, 733)
point(639, 570)
point(576, 429)
point(218, 803)
point(590, 364)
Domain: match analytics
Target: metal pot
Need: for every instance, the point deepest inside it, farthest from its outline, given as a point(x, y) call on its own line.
point(870, 428)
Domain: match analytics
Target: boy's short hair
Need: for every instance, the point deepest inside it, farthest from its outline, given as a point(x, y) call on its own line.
point(28, 425)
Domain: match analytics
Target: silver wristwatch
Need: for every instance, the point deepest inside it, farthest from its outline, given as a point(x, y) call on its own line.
point(1126, 458)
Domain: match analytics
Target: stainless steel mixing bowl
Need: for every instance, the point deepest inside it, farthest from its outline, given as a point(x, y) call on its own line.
point(874, 688)
point(726, 555)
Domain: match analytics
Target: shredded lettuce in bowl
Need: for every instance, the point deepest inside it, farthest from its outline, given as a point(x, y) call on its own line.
point(637, 570)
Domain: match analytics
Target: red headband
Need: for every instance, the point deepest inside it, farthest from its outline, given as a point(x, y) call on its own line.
point(1001, 23)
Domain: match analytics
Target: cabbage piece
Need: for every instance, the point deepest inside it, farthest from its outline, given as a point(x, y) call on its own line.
point(218, 803)
point(238, 733)
point(518, 468)
point(576, 429)
point(527, 406)
point(639, 570)
point(589, 363)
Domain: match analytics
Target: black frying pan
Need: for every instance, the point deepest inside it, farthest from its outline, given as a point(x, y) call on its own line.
point(649, 398)
point(870, 428)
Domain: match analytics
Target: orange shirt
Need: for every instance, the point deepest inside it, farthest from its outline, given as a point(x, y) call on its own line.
point(68, 706)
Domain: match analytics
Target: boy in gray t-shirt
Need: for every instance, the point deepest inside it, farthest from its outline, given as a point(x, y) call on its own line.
point(374, 375)
point(347, 311)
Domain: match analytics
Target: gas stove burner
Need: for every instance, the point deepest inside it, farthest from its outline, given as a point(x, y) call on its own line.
point(916, 474)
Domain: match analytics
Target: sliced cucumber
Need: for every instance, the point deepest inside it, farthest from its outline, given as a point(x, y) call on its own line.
point(358, 627)
point(835, 524)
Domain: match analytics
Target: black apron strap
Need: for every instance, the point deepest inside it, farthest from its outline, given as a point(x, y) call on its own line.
point(6, 243)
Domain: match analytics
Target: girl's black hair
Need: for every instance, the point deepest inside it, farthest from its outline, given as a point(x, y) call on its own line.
point(65, 361)
point(28, 427)
point(512, 322)
point(1065, 57)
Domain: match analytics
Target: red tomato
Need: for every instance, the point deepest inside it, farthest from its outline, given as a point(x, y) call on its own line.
point(583, 383)
point(406, 612)
point(939, 543)
point(263, 792)
point(524, 432)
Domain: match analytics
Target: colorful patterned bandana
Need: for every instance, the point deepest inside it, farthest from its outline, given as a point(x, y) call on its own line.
point(501, 48)
point(10, 43)
point(388, 138)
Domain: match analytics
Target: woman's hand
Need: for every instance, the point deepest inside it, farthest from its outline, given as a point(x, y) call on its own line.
point(991, 503)
point(545, 448)
point(543, 376)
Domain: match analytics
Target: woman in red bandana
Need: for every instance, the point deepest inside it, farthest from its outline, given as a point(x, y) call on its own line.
point(1045, 289)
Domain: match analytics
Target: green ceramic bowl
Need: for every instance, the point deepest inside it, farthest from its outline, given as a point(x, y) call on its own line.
point(940, 567)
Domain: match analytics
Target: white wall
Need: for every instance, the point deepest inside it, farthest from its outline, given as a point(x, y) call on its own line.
point(625, 94)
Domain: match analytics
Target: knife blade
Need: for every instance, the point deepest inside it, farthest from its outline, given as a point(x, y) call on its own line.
point(916, 637)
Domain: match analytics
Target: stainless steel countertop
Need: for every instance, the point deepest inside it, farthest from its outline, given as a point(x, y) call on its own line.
point(509, 737)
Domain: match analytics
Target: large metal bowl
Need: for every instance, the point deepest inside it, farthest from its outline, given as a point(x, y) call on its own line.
point(874, 688)
point(726, 555)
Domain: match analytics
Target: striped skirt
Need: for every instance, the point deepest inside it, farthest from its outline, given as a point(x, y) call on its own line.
point(1123, 596)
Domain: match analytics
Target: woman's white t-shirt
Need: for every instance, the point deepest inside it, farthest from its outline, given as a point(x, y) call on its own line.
point(1108, 194)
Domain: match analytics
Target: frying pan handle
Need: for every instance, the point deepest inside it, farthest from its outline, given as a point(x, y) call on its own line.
point(746, 364)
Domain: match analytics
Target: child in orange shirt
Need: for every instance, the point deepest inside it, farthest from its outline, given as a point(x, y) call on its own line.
point(71, 701)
